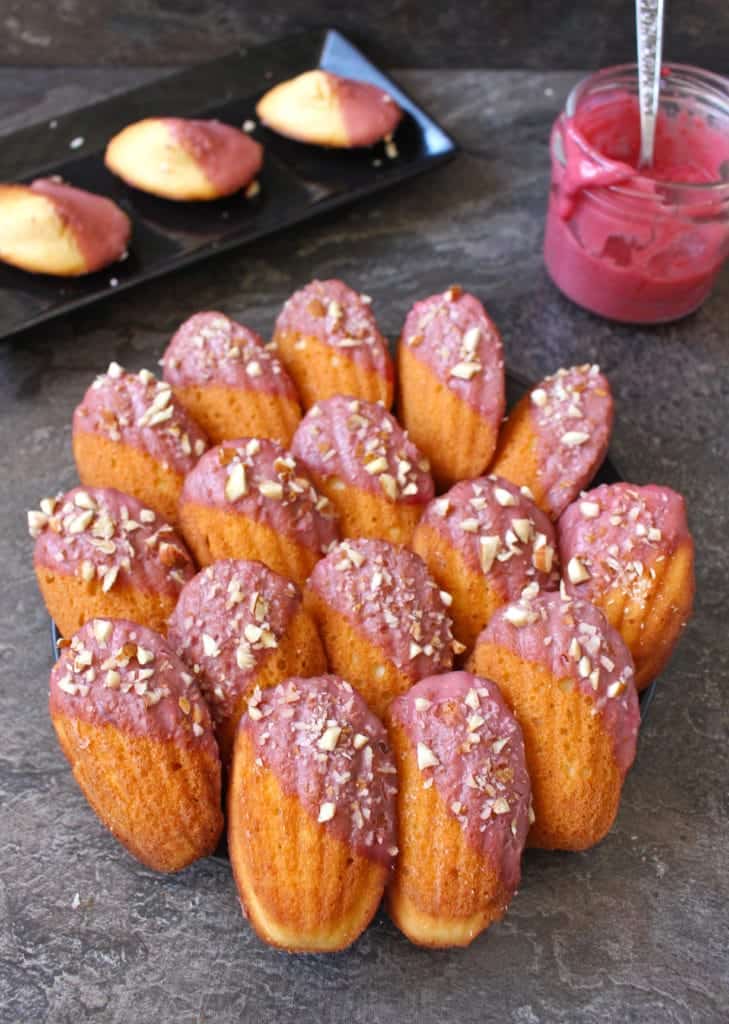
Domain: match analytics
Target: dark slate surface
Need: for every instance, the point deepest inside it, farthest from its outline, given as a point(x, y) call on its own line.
point(409, 33)
point(635, 930)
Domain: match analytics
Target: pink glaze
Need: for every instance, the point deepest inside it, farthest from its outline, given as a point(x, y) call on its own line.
point(480, 774)
point(454, 336)
point(210, 348)
point(351, 787)
point(478, 518)
point(363, 445)
point(573, 640)
point(293, 506)
point(389, 597)
point(226, 623)
point(368, 112)
point(228, 157)
point(100, 229)
point(572, 414)
point(617, 533)
point(336, 315)
point(120, 674)
point(138, 410)
point(100, 533)
point(617, 240)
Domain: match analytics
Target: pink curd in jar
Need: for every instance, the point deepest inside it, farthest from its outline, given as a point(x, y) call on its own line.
point(639, 246)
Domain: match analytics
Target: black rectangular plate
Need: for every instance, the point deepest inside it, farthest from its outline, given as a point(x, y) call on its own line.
point(297, 182)
point(516, 386)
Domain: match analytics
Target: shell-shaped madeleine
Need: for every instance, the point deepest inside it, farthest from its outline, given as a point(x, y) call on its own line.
point(184, 159)
point(382, 617)
point(131, 433)
point(484, 542)
point(49, 227)
point(100, 552)
point(229, 381)
point(463, 808)
point(628, 550)
point(240, 625)
point(132, 722)
point(252, 499)
point(556, 437)
point(325, 109)
point(360, 457)
point(311, 814)
point(328, 339)
point(451, 383)
point(569, 679)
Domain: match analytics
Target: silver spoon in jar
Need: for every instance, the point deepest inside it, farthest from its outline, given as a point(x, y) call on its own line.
point(649, 30)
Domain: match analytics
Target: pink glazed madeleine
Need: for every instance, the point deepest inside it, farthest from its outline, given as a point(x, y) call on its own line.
point(485, 542)
point(49, 227)
point(569, 679)
point(628, 550)
point(229, 381)
point(325, 109)
point(239, 626)
point(130, 432)
point(329, 341)
point(360, 457)
point(137, 733)
point(182, 159)
point(99, 552)
point(383, 619)
point(252, 499)
point(311, 814)
point(464, 807)
point(451, 383)
point(556, 437)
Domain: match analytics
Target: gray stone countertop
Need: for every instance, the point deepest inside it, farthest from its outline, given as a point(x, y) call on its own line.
point(634, 930)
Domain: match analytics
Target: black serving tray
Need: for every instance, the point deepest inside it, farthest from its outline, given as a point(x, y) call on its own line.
point(516, 386)
point(297, 181)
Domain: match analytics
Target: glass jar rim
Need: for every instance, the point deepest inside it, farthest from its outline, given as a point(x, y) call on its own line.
point(711, 82)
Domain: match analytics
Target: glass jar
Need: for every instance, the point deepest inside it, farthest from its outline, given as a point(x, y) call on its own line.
point(640, 246)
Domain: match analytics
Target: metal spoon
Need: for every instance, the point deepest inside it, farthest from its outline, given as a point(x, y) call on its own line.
point(649, 30)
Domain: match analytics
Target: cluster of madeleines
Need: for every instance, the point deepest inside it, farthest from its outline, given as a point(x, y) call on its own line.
point(53, 228)
point(405, 647)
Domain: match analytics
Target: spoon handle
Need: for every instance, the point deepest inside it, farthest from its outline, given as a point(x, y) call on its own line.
point(649, 30)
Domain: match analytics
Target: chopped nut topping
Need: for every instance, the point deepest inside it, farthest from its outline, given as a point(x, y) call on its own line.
point(389, 485)
point(523, 529)
point(271, 489)
point(487, 550)
point(109, 578)
point(210, 646)
point(378, 465)
point(576, 571)
point(465, 370)
point(326, 812)
point(519, 616)
point(503, 497)
point(426, 757)
point(236, 486)
point(330, 738)
point(539, 397)
point(574, 438)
